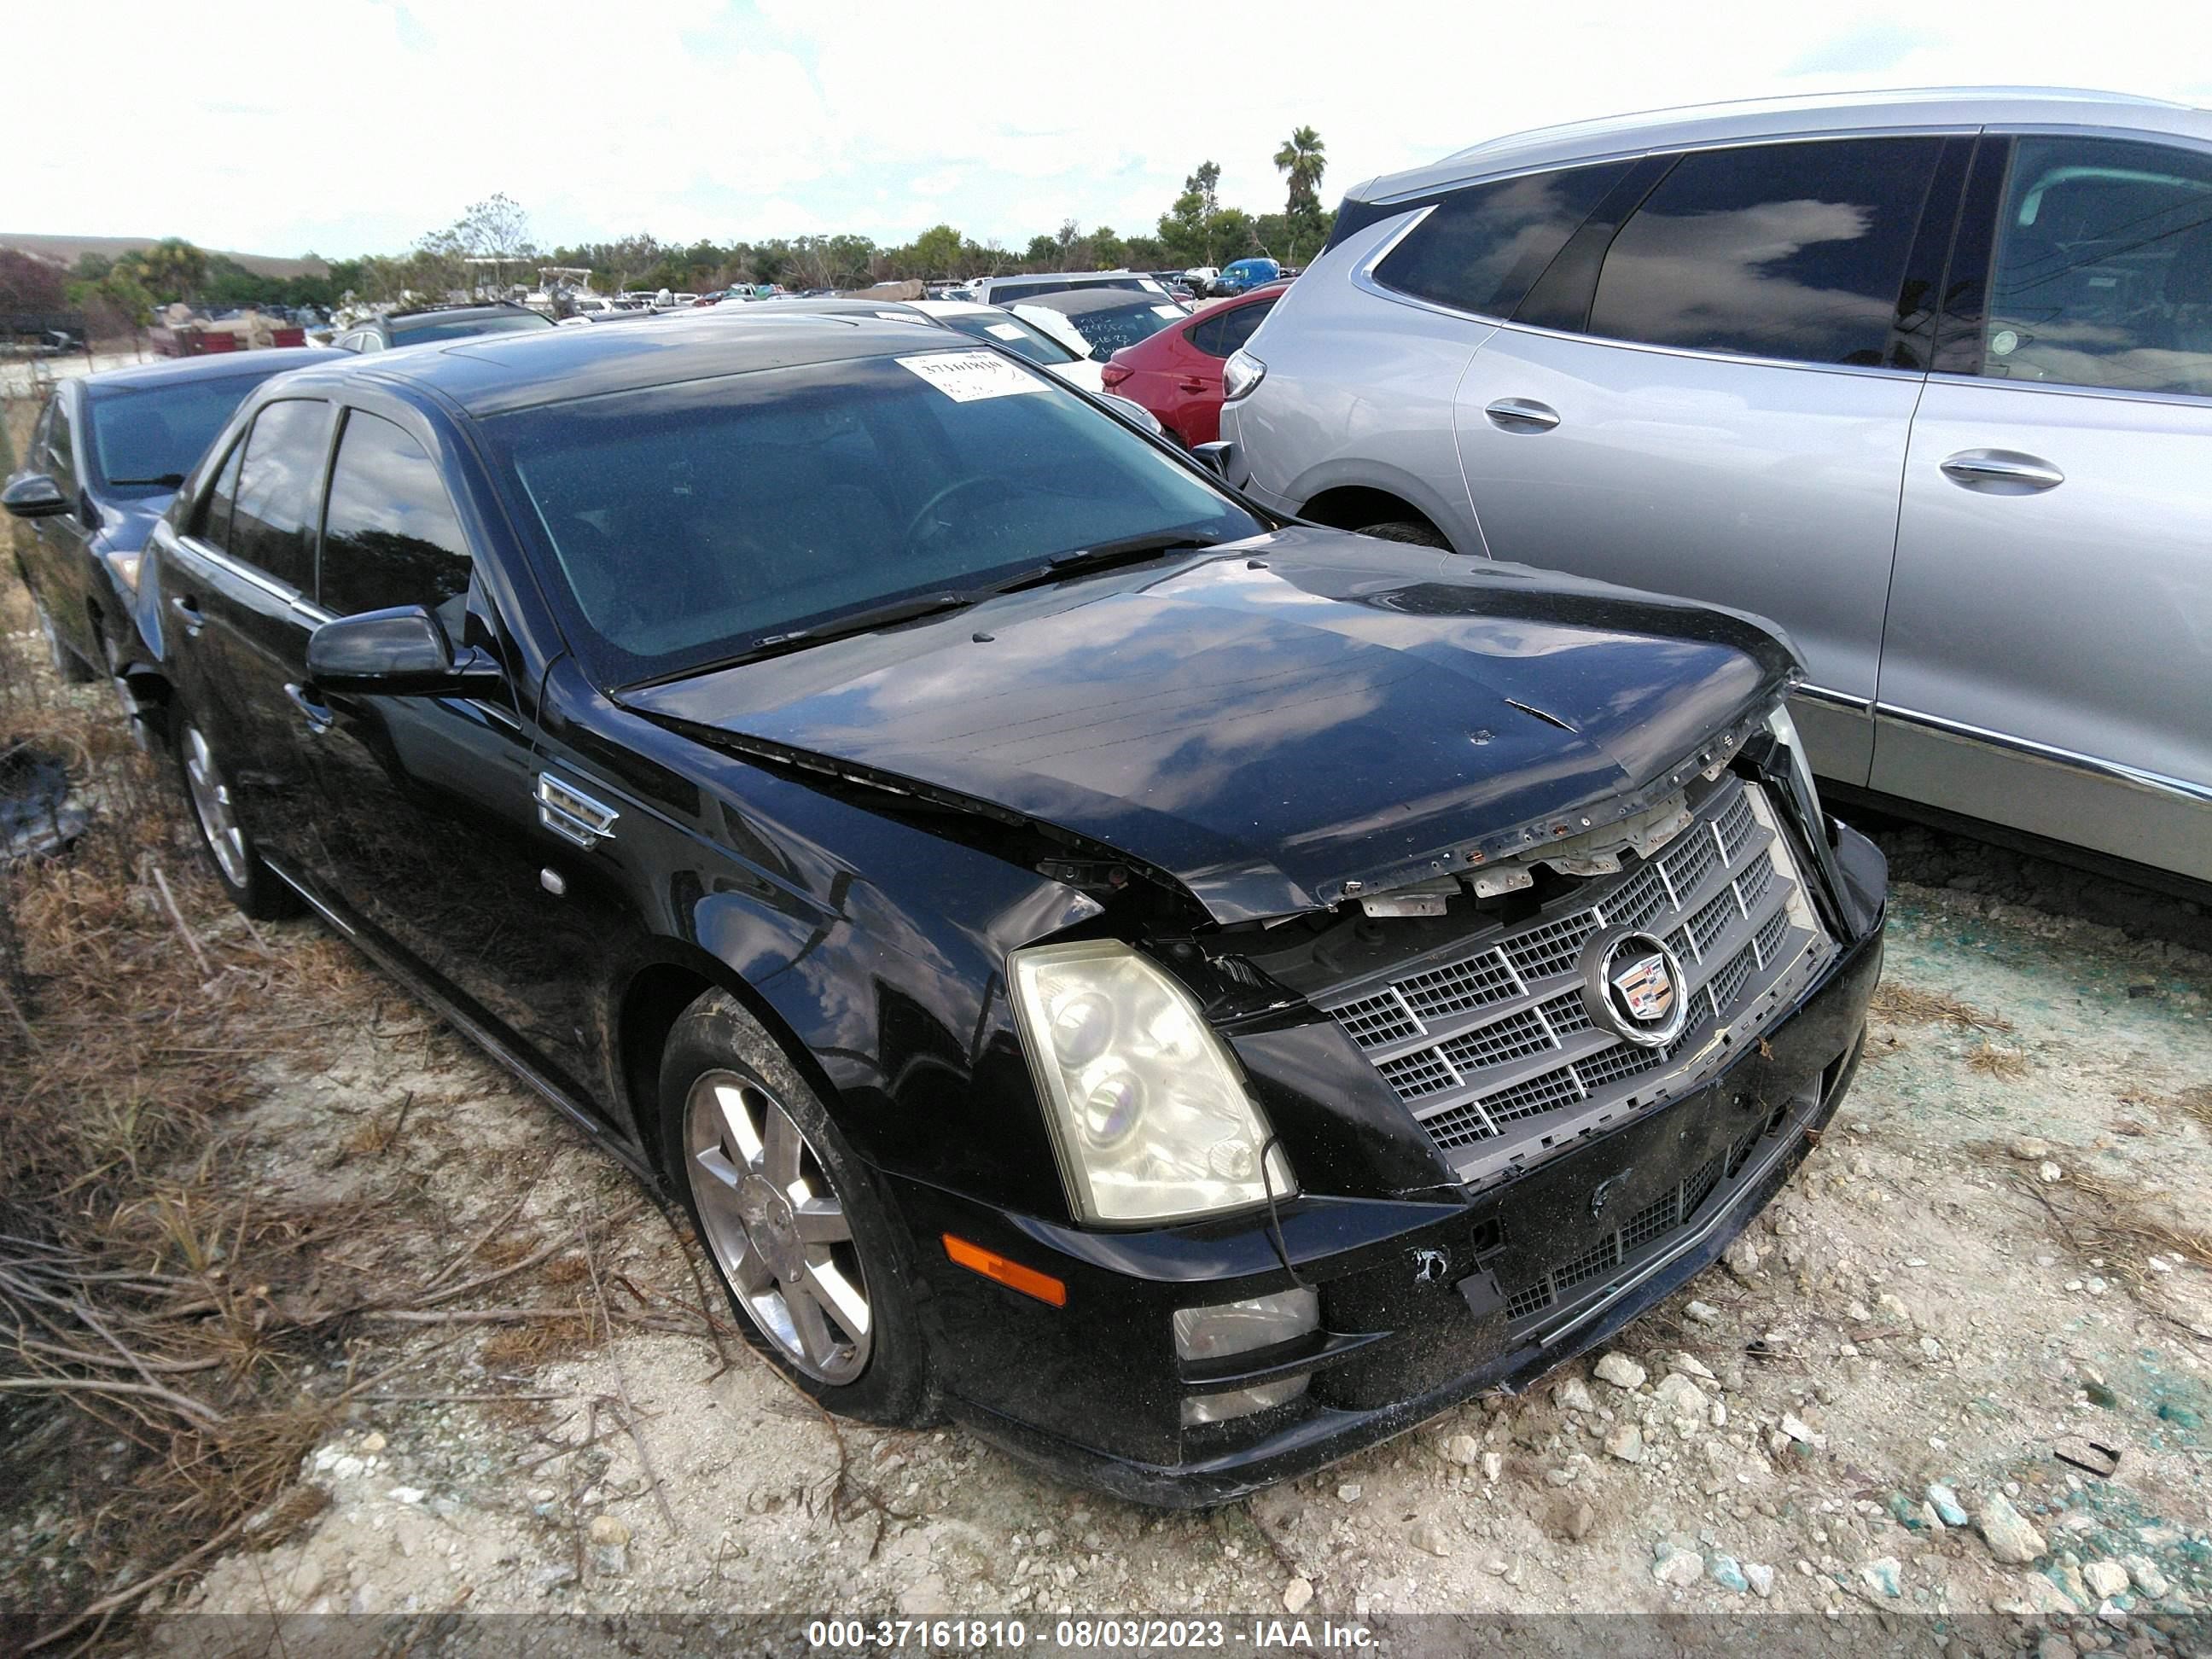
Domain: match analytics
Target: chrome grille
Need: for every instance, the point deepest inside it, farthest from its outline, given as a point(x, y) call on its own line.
point(1494, 1031)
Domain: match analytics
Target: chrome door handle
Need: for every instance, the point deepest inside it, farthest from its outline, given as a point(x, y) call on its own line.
point(319, 719)
point(1524, 413)
point(2001, 471)
point(190, 614)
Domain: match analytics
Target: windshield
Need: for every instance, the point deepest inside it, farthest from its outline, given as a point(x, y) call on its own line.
point(689, 523)
point(1108, 331)
point(1004, 328)
point(146, 439)
point(409, 331)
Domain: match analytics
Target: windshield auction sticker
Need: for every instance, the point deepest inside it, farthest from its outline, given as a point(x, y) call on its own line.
point(967, 377)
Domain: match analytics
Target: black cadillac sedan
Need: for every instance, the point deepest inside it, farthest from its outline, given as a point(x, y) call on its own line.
point(1186, 994)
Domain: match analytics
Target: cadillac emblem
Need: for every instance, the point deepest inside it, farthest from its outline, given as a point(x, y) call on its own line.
point(1634, 987)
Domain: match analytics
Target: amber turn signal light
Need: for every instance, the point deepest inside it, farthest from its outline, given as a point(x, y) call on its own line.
point(1014, 1276)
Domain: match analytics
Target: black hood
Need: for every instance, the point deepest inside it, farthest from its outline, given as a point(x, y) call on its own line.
point(1269, 724)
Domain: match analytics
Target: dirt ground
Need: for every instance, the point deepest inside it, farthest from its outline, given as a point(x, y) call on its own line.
point(1988, 1263)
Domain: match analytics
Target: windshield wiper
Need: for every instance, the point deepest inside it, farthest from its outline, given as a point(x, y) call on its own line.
point(165, 480)
point(844, 625)
point(1130, 549)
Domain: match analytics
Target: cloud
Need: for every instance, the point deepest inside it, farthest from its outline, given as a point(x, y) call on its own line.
point(354, 125)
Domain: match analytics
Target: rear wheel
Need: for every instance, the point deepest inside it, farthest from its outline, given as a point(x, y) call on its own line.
point(794, 1223)
point(253, 887)
point(1403, 530)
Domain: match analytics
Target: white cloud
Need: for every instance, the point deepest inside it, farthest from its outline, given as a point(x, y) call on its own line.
point(356, 125)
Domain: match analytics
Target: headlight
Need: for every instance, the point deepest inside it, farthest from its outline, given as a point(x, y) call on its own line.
point(1148, 1115)
point(1241, 375)
point(1784, 730)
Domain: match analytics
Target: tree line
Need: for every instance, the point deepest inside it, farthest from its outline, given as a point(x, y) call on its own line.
point(492, 245)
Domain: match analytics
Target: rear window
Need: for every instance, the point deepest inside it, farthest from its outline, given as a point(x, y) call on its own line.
point(1003, 328)
point(147, 438)
point(689, 523)
point(1482, 248)
point(1110, 328)
point(1792, 251)
point(411, 330)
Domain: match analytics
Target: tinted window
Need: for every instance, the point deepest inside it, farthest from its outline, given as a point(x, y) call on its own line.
point(61, 449)
point(1109, 328)
point(691, 521)
point(150, 437)
point(273, 525)
point(211, 524)
point(1792, 251)
point(389, 534)
point(1225, 335)
point(1480, 248)
point(2103, 273)
point(415, 330)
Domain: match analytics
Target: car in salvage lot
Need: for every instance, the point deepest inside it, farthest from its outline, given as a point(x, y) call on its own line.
point(106, 455)
point(1185, 993)
point(1176, 372)
point(1925, 377)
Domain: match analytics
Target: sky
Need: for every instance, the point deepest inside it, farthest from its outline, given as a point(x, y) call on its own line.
point(350, 126)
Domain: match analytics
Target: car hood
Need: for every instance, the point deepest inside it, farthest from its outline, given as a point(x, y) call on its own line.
point(1275, 724)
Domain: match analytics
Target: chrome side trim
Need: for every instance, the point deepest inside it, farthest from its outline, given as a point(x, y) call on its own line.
point(2112, 771)
point(1844, 700)
point(245, 572)
point(571, 814)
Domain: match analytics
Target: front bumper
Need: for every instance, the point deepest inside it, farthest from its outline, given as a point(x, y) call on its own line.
point(1423, 1304)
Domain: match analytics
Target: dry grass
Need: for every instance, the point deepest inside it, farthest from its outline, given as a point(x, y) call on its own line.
point(2197, 1103)
point(1906, 1004)
point(1994, 1061)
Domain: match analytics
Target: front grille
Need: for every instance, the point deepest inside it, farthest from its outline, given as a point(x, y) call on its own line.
point(1494, 1031)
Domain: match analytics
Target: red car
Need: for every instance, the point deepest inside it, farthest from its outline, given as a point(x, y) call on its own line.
point(1176, 372)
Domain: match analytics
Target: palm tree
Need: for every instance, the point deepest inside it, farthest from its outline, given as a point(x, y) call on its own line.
point(1302, 158)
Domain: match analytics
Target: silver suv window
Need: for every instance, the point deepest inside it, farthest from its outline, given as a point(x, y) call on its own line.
point(2103, 274)
point(1793, 251)
point(1482, 248)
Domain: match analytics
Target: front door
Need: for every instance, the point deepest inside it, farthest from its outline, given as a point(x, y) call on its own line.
point(428, 831)
point(1721, 411)
point(2049, 638)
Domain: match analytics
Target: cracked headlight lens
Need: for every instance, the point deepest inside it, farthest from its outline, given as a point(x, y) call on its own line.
point(1149, 1114)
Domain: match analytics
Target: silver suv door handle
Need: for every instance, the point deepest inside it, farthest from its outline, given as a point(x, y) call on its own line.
point(1522, 414)
point(2001, 471)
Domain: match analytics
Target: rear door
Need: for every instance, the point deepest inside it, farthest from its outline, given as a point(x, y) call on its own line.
point(1709, 391)
point(239, 594)
point(2049, 637)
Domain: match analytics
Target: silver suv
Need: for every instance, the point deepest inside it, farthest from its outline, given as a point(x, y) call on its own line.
point(1925, 377)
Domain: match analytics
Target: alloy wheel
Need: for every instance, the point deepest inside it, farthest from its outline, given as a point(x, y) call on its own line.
point(211, 804)
point(777, 1226)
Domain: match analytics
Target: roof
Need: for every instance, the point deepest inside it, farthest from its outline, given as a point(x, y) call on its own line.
point(474, 309)
point(491, 373)
point(217, 366)
point(1959, 108)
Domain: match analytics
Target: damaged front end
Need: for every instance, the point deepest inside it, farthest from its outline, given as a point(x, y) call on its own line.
point(1523, 1102)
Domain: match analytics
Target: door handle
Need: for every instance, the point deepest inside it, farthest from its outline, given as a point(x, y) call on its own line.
point(2001, 471)
point(1191, 383)
point(319, 719)
point(190, 614)
point(1523, 415)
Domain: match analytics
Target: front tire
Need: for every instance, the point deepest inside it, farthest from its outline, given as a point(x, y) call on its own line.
point(253, 887)
point(796, 1225)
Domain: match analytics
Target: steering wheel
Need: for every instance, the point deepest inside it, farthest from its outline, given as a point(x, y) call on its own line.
point(914, 532)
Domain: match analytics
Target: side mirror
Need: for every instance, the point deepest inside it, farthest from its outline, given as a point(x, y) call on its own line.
point(34, 496)
point(399, 653)
point(1214, 456)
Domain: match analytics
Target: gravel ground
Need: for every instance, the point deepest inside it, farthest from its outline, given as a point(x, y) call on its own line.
point(1986, 1264)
